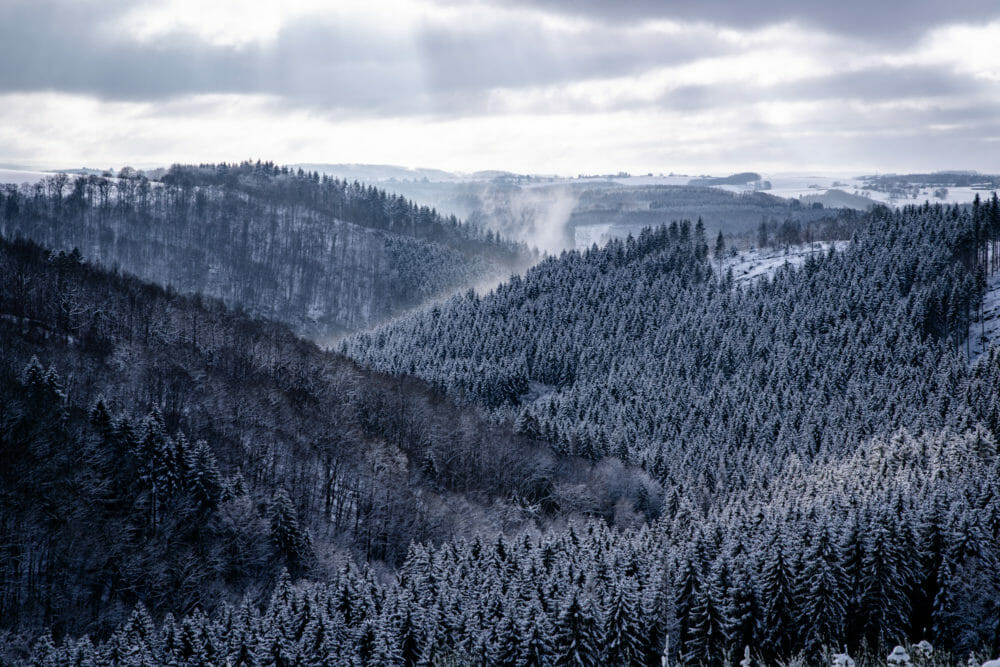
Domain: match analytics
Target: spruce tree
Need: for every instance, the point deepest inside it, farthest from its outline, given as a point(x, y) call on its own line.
point(886, 579)
point(622, 642)
point(777, 595)
point(577, 636)
point(711, 618)
point(824, 594)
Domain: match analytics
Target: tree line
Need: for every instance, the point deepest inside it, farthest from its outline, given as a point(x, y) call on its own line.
point(322, 255)
point(164, 449)
point(791, 465)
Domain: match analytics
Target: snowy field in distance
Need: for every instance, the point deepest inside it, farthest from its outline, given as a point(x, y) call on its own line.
point(793, 186)
point(18, 176)
point(796, 185)
point(653, 180)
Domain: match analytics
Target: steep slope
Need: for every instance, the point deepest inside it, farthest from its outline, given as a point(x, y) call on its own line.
point(829, 458)
point(322, 255)
point(641, 352)
point(172, 452)
point(897, 541)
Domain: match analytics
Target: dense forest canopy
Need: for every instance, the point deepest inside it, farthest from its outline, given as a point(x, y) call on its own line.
point(903, 519)
point(620, 455)
point(639, 350)
point(323, 255)
point(174, 452)
point(730, 394)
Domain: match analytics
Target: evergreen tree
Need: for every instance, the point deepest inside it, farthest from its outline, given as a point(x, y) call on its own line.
point(577, 636)
point(885, 583)
point(746, 611)
point(823, 591)
point(622, 642)
point(712, 622)
point(777, 595)
point(289, 540)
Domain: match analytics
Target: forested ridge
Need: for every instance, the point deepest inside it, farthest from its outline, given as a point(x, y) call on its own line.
point(631, 208)
point(530, 208)
point(163, 449)
point(640, 350)
point(826, 451)
point(897, 541)
point(723, 393)
point(323, 255)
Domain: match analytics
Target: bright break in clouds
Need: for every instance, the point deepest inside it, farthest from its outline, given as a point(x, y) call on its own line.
point(533, 86)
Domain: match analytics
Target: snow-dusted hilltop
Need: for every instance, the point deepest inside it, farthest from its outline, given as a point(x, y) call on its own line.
point(324, 255)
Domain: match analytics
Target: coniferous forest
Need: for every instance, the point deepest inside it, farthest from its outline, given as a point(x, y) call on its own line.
point(324, 256)
point(620, 456)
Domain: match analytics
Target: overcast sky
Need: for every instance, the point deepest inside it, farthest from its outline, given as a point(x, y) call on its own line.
point(539, 86)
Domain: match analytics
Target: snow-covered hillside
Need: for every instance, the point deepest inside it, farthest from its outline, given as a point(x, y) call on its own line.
point(18, 176)
point(986, 333)
point(797, 186)
point(753, 264)
point(806, 185)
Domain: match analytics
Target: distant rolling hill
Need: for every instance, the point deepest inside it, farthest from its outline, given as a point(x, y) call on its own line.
point(836, 198)
point(324, 255)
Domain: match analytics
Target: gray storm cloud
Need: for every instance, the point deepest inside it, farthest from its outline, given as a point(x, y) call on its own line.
point(52, 46)
point(451, 67)
point(630, 84)
point(872, 84)
point(887, 21)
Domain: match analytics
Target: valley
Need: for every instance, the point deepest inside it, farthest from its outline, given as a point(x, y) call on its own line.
point(724, 416)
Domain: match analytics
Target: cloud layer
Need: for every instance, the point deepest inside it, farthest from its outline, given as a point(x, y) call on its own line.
point(539, 85)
